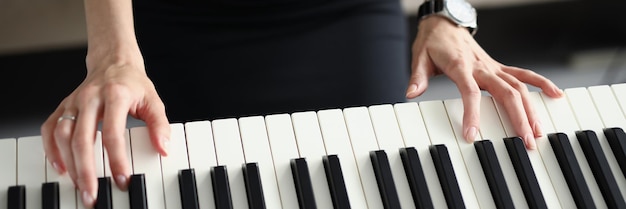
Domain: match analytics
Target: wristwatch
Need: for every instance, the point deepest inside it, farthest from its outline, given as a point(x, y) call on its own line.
point(460, 12)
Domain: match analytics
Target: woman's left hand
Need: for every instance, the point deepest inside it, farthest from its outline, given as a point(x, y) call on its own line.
point(443, 47)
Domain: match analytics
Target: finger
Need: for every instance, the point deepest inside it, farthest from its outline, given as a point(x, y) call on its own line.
point(511, 99)
point(532, 78)
point(113, 127)
point(533, 119)
point(63, 139)
point(470, 94)
point(418, 83)
point(153, 113)
point(50, 147)
point(83, 150)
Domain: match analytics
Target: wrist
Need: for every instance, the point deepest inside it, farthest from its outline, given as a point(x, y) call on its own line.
point(105, 57)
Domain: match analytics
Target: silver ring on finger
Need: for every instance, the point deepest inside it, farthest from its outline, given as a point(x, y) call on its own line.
point(68, 117)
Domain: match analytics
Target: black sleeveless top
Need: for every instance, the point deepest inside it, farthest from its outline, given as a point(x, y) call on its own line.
point(212, 59)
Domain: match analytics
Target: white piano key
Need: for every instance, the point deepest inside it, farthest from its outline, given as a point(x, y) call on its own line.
point(564, 121)
point(541, 173)
point(98, 157)
point(31, 169)
point(390, 139)
point(337, 142)
point(607, 106)
point(440, 132)
point(494, 116)
point(256, 147)
point(284, 148)
point(588, 119)
point(8, 163)
point(67, 191)
point(363, 141)
point(547, 154)
point(311, 146)
point(175, 161)
point(415, 135)
point(119, 197)
point(454, 107)
point(619, 90)
point(201, 158)
point(230, 154)
point(146, 160)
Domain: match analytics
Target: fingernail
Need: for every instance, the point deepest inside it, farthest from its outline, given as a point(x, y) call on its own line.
point(537, 129)
point(558, 91)
point(470, 134)
point(411, 90)
point(87, 198)
point(121, 180)
point(166, 145)
point(530, 141)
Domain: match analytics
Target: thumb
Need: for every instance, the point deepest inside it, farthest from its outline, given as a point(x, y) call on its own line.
point(159, 129)
point(422, 69)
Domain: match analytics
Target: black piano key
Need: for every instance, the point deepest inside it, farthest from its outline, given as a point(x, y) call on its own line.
point(254, 188)
point(447, 177)
point(336, 183)
point(104, 200)
point(525, 173)
point(600, 168)
point(384, 178)
point(221, 188)
point(617, 140)
point(571, 170)
point(302, 181)
point(17, 197)
point(137, 192)
point(50, 195)
point(188, 190)
point(493, 174)
point(415, 176)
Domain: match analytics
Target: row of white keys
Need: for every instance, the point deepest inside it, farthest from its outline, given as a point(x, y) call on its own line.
point(547, 154)
point(363, 141)
point(440, 132)
point(229, 152)
point(564, 121)
point(120, 198)
point(608, 108)
point(415, 135)
point(284, 148)
point(588, 119)
point(311, 147)
point(547, 188)
point(146, 160)
point(257, 149)
point(390, 139)
point(337, 142)
point(479, 183)
point(31, 169)
point(491, 121)
point(201, 158)
point(8, 165)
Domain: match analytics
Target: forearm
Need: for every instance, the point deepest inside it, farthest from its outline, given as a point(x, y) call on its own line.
point(110, 32)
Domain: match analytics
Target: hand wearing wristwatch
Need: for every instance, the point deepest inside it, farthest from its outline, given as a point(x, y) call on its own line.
point(459, 12)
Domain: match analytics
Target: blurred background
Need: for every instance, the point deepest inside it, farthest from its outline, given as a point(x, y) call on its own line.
point(575, 43)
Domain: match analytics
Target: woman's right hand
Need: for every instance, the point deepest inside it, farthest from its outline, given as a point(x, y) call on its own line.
point(115, 86)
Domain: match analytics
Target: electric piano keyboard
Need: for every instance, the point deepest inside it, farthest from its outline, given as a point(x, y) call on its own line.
point(406, 155)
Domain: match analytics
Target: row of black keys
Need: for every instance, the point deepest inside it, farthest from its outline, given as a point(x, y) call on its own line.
point(421, 196)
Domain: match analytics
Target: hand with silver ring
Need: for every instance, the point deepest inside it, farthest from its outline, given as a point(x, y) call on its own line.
point(112, 90)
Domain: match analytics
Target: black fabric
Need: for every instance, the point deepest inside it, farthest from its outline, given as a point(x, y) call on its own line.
point(224, 59)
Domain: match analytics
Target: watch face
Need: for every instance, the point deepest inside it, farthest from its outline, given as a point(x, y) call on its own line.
point(461, 10)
